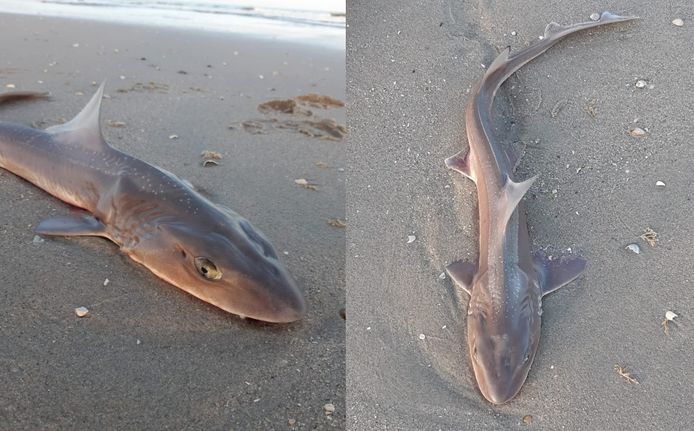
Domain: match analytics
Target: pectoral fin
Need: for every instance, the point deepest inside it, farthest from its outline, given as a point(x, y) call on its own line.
point(559, 272)
point(85, 225)
point(462, 273)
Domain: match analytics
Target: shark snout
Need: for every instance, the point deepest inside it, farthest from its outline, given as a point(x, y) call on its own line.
point(500, 388)
point(500, 394)
point(272, 299)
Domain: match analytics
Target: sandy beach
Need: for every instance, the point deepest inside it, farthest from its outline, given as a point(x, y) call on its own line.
point(410, 68)
point(151, 356)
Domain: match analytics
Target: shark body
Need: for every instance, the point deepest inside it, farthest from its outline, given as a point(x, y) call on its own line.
point(508, 281)
point(154, 217)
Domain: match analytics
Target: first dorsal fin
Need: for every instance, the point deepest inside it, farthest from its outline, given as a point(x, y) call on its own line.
point(511, 195)
point(84, 130)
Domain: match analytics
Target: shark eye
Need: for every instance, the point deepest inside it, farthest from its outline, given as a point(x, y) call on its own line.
point(207, 268)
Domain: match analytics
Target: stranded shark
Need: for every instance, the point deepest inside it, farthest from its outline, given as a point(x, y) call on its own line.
point(508, 281)
point(157, 219)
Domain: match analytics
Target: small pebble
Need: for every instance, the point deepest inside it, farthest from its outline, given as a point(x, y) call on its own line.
point(634, 248)
point(513, 33)
point(291, 422)
point(411, 238)
point(422, 337)
point(669, 315)
point(173, 136)
point(528, 419)
point(659, 184)
point(637, 132)
point(139, 342)
point(81, 311)
point(75, 45)
point(329, 408)
point(442, 276)
point(106, 282)
point(594, 17)
point(38, 240)
point(678, 22)
point(640, 83)
point(11, 86)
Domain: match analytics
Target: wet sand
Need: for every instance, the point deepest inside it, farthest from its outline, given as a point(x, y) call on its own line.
point(151, 356)
point(410, 68)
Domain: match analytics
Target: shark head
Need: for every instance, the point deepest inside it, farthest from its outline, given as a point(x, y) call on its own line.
point(225, 262)
point(503, 342)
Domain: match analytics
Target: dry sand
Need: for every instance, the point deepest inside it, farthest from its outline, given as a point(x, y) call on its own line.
point(151, 356)
point(410, 67)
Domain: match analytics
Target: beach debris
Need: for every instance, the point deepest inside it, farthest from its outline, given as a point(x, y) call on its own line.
point(557, 108)
point(38, 240)
point(669, 317)
point(303, 182)
point(678, 22)
point(422, 337)
point(81, 311)
point(209, 158)
point(595, 16)
point(650, 236)
point(411, 239)
point(326, 128)
point(142, 87)
point(315, 127)
point(640, 83)
point(528, 419)
point(343, 313)
point(336, 222)
point(173, 136)
point(209, 154)
point(659, 184)
point(591, 107)
point(320, 101)
point(637, 132)
point(106, 282)
point(634, 248)
point(117, 124)
point(291, 422)
point(329, 409)
point(10, 86)
point(182, 72)
point(252, 127)
point(623, 372)
point(285, 106)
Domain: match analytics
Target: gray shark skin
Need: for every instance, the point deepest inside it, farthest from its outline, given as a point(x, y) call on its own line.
point(157, 219)
point(508, 281)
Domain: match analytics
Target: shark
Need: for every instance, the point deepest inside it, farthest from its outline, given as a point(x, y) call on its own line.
point(157, 219)
point(508, 281)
